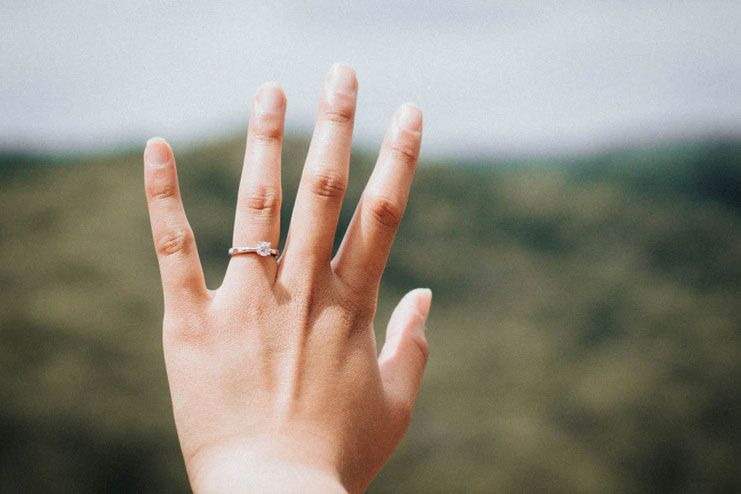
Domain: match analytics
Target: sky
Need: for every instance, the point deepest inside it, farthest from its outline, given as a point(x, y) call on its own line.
point(492, 77)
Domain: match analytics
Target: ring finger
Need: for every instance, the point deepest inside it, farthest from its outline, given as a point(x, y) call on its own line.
point(259, 199)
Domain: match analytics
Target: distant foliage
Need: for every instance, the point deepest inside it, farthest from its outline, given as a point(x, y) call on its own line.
point(585, 332)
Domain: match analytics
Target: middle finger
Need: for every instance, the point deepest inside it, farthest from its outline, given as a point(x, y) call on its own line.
point(325, 176)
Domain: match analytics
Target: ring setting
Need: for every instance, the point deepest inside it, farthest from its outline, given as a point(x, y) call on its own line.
point(262, 248)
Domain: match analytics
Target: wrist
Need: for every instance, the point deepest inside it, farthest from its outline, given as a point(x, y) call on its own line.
point(260, 466)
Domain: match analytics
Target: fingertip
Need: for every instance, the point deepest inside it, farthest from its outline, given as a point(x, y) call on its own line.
point(409, 117)
point(341, 78)
point(424, 301)
point(157, 151)
point(415, 305)
point(155, 140)
point(270, 98)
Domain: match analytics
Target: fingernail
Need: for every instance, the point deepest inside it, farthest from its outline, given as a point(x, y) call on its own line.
point(158, 152)
point(269, 98)
point(424, 302)
point(409, 117)
point(341, 79)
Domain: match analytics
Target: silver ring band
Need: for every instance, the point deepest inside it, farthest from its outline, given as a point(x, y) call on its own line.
point(263, 249)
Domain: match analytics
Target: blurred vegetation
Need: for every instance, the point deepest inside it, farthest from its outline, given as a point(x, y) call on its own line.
point(585, 334)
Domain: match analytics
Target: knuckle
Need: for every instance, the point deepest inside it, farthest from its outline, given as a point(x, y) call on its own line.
point(385, 211)
point(404, 151)
point(174, 242)
point(341, 114)
point(421, 345)
point(188, 330)
point(303, 303)
point(358, 303)
point(262, 200)
point(162, 191)
point(365, 312)
point(328, 184)
point(267, 129)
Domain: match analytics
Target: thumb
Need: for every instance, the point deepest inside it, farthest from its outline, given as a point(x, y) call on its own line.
point(404, 354)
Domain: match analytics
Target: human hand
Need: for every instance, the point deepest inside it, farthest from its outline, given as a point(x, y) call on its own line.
point(275, 380)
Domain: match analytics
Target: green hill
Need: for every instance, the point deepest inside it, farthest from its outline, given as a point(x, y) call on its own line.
point(585, 333)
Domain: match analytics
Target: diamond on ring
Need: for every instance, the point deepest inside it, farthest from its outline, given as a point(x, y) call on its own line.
point(263, 248)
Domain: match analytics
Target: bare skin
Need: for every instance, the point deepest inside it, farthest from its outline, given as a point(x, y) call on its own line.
point(275, 379)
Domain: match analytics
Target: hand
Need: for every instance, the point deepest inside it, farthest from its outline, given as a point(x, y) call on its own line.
point(275, 380)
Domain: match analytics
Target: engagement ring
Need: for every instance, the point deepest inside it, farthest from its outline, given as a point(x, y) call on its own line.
point(261, 249)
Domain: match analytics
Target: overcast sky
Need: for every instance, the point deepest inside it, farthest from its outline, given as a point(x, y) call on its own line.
point(491, 76)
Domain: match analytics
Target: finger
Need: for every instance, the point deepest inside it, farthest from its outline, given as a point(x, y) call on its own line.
point(404, 354)
point(362, 256)
point(259, 199)
point(180, 268)
point(325, 175)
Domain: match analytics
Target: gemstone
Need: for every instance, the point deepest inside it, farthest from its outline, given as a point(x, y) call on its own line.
point(263, 248)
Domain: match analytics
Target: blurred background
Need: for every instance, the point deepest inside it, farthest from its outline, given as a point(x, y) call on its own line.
point(577, 213)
